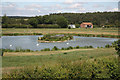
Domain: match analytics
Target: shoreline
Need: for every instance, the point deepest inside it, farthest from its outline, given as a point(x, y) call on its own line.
point(51, 41)
point(82, 35)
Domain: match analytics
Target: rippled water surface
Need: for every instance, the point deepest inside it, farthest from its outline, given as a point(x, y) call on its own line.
point(31, 42)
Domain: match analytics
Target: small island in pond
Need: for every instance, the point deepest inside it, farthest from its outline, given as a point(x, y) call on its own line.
point(55, 38)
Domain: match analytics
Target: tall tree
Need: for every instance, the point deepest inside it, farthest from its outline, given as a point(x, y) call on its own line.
point(62, 22)
point(4, 19)
point(33, 22)
point(40, 19)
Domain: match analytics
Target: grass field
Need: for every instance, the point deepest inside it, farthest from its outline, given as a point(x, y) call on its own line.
point(80, 63)
point(110, 31)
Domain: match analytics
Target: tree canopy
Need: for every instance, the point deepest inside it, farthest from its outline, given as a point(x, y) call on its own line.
point(110, 19)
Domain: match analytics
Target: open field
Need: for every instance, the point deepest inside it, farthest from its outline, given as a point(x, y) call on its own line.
point(80, 62)
point(109, 31)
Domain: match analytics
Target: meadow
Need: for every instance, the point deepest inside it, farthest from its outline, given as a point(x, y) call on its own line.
point(76, 63)
point(106, 31)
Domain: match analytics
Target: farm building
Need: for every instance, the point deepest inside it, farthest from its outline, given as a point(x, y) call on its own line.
point(86, 25)
point(71, 26)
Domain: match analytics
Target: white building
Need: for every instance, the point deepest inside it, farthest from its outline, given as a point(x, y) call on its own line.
point(71, 26)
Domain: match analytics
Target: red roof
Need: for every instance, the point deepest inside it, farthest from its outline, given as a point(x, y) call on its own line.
point(88, 23)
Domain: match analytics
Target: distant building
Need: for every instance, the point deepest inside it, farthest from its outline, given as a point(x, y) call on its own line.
point(71, 26)
point(86, 25)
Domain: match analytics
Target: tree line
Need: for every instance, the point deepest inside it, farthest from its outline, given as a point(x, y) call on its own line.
point(61, 20)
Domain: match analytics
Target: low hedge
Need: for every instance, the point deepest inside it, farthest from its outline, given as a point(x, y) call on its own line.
point(17, 34)
point(16, 26)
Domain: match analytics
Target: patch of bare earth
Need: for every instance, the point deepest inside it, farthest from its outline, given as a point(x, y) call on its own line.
point(41, 52)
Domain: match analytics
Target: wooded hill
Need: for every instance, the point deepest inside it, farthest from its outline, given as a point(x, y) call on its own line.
point(97, 18)
point(61, 20)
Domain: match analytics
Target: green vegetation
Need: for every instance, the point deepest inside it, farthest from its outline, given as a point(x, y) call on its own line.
point(110, 32)
point(108, 19)
point(17, 50)
point(46, 49)
point(97, 63)
point(62, 22)
point(17, 34)
point(16, 26)
point(55, 37)
point(35, 22)
point(117, 46)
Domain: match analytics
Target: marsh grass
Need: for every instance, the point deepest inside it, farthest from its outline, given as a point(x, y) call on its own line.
point(18, 34)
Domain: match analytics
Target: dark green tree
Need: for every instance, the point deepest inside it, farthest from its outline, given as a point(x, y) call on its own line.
point(62, 22)
point(33, 22)
point(40, 19)
point(4, 19)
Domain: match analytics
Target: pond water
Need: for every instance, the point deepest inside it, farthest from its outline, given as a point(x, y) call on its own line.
point(31, 42)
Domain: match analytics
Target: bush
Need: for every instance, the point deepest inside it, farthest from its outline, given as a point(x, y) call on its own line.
point(117, 47)
point(107, 46)
point(16, 26)
point(77, 25)
point(62, 48)
point(77, 47)
point(70, 47)
point(90, 46)
point(64, 53)
point(46, 49)
point(55, 48)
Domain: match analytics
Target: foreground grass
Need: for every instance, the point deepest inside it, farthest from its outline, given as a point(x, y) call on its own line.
point(97, 63)
point(108, 31)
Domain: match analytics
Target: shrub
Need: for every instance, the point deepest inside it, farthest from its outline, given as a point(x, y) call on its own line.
point(107, 46)
point(77, 47)
point(46, 49)
point(98, 47)
point(64, 53)
point(55, 48)
point(62, 48)
point(16, 26)
point(70, 47)
point(90, 46)
point(117, 47)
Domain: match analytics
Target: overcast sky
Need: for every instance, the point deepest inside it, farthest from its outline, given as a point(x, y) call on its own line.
point(44, 7)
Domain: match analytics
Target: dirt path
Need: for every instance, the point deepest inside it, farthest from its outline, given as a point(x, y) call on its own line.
point(41, 52)
point(9, 69)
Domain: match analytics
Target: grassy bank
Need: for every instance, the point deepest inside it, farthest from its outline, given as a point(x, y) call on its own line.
point(96, 63)
point(108, 31)
point(95, 32)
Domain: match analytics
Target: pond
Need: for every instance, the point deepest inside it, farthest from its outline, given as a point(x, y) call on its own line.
point(31, 42)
